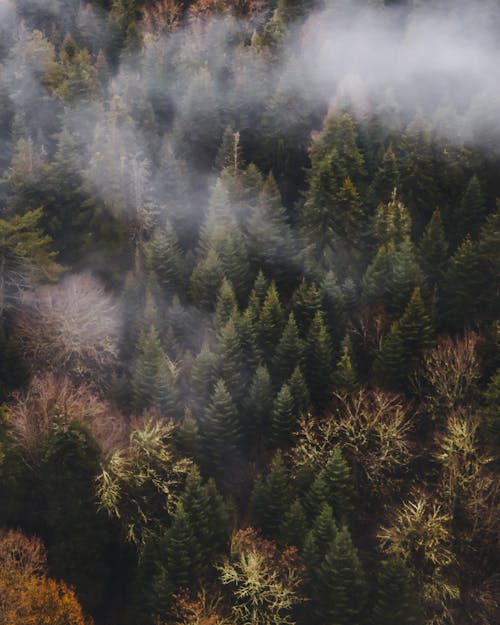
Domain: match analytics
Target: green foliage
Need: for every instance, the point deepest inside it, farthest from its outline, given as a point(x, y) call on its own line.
point(270, 498)
point(293, 529)
point(283, 417)
point(270, 324)
point(433, 251)
point(289, 351)
point(319, 366)
point(396, 602)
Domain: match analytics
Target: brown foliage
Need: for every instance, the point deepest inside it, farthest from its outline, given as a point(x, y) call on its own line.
point(51, 402)
point(202, 610)
point(27, 596)
point(72, 328)
point(160, 18)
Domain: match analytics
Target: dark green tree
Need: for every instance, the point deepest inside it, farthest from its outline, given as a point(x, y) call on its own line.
point(283, 417)
point(293, 529)
point(319, 367)
point(300, 392)
point(270, 498)
point(396, 601)
point(341, 495)
point(289, 351)
point(433, 252)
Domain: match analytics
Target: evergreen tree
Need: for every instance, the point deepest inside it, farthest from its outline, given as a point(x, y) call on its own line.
point(270, 498)
point(153, 378)
point(259, 403)
point(221, 432)
point(270, 325)
point(283, 417)
point(293, 529)
point(188, 436)
point(344, 376)
point(396, 601)
point(289, 351)
point(306, 303)
point(338, 478)
point(433, 251)
point(164, 259)
point(385, 180)
point(472, 209)
point(319, 539)
point(462, 286)
point(300, 392)
point(231, 359)
point(226, 304)
point(318, 361)
point(317, 495)
point(206, 280)
point(339, 590)
point(392, 222)
point(204, 374)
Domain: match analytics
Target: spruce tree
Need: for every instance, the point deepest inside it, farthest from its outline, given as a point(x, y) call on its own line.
point(231, 359)
point(293, 529)
point(433, 251)
point(283, 417)
point(204, 374)
point(270, 498)
point(386, 179)
point(472, 209)
point(221, 431)
point(206, 280)
point(289, 351)
point(317, 495)
point(151, 380)
point(300, 392)
point(318, 361)
point(306, 303)
point(270, 325)
point(319, 539)
point(164, 260)
point(188, 436)
point(259, 403)
point(338, 478)
point(226, 304)
point(396, 600)
point(344, 376)
point(339, 590)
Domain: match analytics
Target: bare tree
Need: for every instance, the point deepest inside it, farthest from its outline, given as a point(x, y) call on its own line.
point(72, 328)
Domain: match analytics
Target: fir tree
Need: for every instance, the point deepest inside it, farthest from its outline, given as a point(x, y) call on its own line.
point(433, 251)
point(306, 303)
point(339, 590)
point(319, 539)
point(386, 179)
point(164, 260)
point(338, 478)
point(231, 359)
point(206, 280)
point(344, 376)
point(270, 498)
point(396, 601)
point(472, 209)
point(221, 431)
point(204, 374)
point(259, 403)
point(283, 417)
point(150, 369)
point(270, 325)
point(318, 361)
point(226, 304)
point(293, 529)
point(289, 351)
point(188, 436)
point(317, 495)
point(300, 392)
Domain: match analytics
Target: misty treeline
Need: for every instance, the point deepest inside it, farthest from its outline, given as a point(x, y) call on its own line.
point(249, 312)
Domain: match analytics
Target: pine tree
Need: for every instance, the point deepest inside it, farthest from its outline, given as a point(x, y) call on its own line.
point(317, 495)
point(293, 529)
point(270, 498)
point(164, 260)
point(300, 392)
point(392, 222)
point(386, 179)
point(231, 359)
point(306, 303)
point(396, 601)
point(259, 403)
point(166, 393)
point(289, 351)
point(344, 376)
point(339, 589)
point(472, 209)
point(318, 361)
point(390, 361)
point(206, 280)
point(226, 304)
point(221, 431)
point(188, 436)
point(433, 251)
point(283, 417)
point(270, 325)
point(462, 286)
point(338, 478)
point(319, 539)
point(204, 374)
point(151, 368)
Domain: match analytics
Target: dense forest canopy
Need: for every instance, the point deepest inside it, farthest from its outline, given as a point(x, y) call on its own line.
point(249, 312)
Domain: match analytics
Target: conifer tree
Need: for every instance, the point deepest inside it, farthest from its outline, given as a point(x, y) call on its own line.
point(396, 601)
point(231, 359)
point(293, 529)
point(306, 303)
point(433, 251)
point(188, 436)
point(204, 374)
point(270, 325)
point(385, 180)
point(259, 403)
point(300, 392)
point(462, 286)
point(166, 394)
point(206, 280)
point(289, 351)
point(339, 590)
point(270, 498)
point(221, 431)
point(319, 539)
point(344, 376)
point(152, 379)
point(226, 304)
point(247, 335)
point(283, 417)
point(472, 209)
point(317, 495)
point(318, 361)
point(164, 260)
point(338, 478)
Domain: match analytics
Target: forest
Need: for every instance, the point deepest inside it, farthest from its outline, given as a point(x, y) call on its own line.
point(249, 312)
